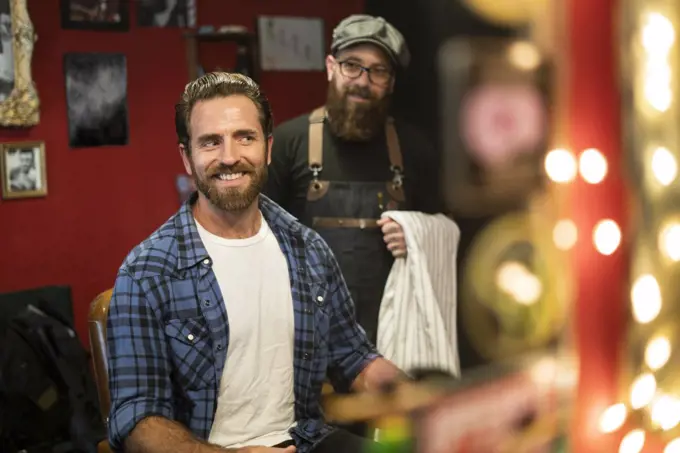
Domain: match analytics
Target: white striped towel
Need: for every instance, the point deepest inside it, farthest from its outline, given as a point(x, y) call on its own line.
point(417, 320)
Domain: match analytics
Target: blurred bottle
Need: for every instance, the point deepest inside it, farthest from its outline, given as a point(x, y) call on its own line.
point(243, 63)
point(394, 434)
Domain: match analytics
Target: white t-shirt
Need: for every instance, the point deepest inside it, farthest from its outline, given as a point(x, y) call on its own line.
point(255, 405)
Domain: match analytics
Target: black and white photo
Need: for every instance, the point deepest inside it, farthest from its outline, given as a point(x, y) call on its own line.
point(112, 15)
point(23, 170)
point(6, 51)
point(166, 13)
point(96, 97)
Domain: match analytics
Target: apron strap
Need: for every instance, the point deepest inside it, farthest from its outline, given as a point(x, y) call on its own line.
point(315, 158)
point(315, 151)
point(393, 147)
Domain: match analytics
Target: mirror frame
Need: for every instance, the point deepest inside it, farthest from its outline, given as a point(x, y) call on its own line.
point(22, 106)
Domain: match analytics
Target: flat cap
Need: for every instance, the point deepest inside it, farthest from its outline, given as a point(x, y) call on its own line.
point(362, 28)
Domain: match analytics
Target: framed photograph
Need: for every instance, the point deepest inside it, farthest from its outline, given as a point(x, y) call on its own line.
point(291, 43)
point(106, 15)
point(23, 170)
point(96, 98)
point(19, 103)
point(166, 13)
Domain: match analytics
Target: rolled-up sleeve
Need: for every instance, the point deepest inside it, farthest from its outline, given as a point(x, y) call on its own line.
point(138, 362)
point(349, 347)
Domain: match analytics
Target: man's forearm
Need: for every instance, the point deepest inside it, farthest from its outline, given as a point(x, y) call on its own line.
point(378, 374)
point(160, 435)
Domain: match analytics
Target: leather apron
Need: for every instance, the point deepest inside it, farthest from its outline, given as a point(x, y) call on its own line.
point(345, 214)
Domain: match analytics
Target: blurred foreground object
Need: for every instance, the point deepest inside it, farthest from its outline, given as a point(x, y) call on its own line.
point(647, 413)
point(495, 122)
point(507, 12)
point(507, 407)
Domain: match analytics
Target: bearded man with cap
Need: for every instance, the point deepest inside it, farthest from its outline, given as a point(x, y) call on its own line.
point(340, 167)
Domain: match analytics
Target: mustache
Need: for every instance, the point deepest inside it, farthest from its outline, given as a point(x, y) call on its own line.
point(241, 167)
point(360, 91)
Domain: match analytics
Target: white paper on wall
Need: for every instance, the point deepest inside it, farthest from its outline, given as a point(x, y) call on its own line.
point(291, 43)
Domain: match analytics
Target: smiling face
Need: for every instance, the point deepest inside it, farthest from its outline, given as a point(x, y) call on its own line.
point(357, 103)
point(229, 152)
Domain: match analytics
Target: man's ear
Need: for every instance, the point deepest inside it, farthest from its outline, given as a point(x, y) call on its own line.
point(330, 64)
point(186, 158)
point(270, 142)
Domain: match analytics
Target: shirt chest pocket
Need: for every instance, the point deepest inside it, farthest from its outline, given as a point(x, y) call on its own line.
point(191, 350)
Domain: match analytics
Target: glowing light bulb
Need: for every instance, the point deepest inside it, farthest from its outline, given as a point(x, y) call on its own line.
point(520, 283)
point(560, 165)
point(613, 418)
point(657, 85)
point(524, 55)
point(642, 391)
point(658, 34)
point(565, 234)
point(633, 442)
point(657, 352)
point(669, 241)
point(592, 166)
point(666, 412)
point(645, 296)
point(606, 236)
point(673, 446)
point(664, 166)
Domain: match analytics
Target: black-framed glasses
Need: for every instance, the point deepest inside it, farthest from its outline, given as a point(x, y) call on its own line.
point(378, 75)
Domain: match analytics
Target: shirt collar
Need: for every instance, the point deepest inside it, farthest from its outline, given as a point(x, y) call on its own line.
point(191, 250)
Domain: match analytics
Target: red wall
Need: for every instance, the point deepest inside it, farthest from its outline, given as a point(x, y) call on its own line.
point(103, 201)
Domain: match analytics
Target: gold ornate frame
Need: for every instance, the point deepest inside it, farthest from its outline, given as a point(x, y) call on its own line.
point(22, 107)
point(9, 194)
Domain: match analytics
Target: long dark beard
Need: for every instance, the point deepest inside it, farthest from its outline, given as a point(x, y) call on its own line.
point(353, 121)
point(231, 198)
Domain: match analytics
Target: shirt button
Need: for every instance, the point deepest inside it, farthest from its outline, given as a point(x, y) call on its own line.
point(219, 347)
point(300, 269)
point(206, 262)
point(319, 298)
point(190, 337)
point(206, 303)
point(306, 356)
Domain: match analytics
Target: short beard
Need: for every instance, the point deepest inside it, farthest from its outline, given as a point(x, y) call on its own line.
point(232, 199)
point(358, 122)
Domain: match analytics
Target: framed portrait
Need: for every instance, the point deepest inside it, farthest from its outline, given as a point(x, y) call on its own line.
point(19, 103)
point(23, 170)
point(166, 13)
point(105, 15)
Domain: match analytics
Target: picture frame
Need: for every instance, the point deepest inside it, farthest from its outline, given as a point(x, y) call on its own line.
point(108, 123)
point(19, 102)
point(291, 43)
point(23, 170)
point(107, 15)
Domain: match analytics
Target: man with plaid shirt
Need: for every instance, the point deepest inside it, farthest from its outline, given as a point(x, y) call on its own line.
point(226, 321)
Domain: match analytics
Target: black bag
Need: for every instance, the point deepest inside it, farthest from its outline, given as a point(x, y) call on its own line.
point(48, 399)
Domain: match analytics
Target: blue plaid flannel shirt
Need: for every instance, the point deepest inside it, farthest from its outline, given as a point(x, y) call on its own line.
point(168, 331)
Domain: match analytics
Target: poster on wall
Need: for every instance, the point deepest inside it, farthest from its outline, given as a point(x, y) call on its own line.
point(96, 97)
point(291, 43)
point(166, 13)
point(107, 15)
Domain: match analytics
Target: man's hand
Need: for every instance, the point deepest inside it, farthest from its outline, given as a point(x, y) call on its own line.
point(393, 235)
point(378, 375)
